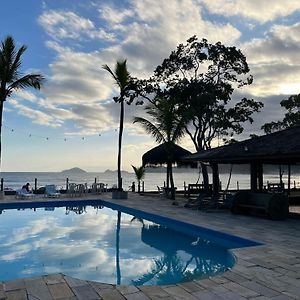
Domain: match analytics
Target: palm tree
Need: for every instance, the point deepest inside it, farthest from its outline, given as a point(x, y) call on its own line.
point(139, 174)
point(122, 79)
point(10, 77)
point(167, 127)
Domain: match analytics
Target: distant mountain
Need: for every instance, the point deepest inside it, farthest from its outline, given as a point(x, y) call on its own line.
point(74, 171)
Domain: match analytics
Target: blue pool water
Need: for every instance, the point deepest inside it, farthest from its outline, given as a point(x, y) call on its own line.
point(98, 243)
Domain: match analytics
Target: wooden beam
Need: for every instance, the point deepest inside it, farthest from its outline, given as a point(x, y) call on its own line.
point(253, 176)
point(215, 178)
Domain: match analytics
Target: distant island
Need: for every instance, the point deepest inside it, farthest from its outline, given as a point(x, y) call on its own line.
point(108, 171)
point(74, 171)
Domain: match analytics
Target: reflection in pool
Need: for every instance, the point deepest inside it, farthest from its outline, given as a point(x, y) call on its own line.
point(101, 244)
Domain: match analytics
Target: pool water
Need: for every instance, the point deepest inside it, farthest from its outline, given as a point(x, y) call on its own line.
point(101, 244)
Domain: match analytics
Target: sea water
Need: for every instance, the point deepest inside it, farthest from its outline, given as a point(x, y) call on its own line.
point(16, 180)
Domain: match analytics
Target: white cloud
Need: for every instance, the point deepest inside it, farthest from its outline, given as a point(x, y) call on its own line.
point(113, 16)
point(37, 116)
point(259, 10)
point(68, 25)
point(274, 61)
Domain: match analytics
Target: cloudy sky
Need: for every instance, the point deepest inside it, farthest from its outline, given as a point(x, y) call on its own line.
point(73, 120)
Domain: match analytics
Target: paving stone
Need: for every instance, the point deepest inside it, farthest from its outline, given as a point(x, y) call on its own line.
point(38, 289)
point(100, 286)
point(16, 295)
point(60, 290)
point(179, 293)
point(54, 278)
point(260, 289)
point(231, 296)
point(206, 283)
point(231, 276)
point(85, 292)
point(282, 297)
point(127, 289)
point(154, 292)
point(74, 281)
point(14, 285)
point(137, 296)
point(191, 286)
point(237, 288)
point(110, 294)
point(206, 295)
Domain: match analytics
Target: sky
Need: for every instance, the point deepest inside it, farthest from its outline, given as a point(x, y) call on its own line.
point(73, 120)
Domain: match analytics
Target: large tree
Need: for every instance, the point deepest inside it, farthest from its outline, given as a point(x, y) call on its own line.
point(291, 117)
point(11, 78)
point(167, 126)
point(202, 78)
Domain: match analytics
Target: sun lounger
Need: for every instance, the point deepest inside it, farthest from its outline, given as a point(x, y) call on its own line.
point(51, 191)
point(24, 194)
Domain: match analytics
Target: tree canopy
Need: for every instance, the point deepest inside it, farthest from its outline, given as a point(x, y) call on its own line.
point(201, 77)
point(291, 117)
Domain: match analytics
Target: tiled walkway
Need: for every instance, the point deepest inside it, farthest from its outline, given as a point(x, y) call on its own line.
point(271, 271)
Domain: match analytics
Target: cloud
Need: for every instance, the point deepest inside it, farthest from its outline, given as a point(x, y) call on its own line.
point(78, 89)
point(259, 10)
point(36, 115)
point(274, 61)
point(68, 25)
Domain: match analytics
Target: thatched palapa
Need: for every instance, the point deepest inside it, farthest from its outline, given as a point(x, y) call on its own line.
point(158, 156)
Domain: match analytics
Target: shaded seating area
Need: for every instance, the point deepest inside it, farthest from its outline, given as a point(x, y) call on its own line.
point(279, 148)
point(159, 156)
point(275, 206)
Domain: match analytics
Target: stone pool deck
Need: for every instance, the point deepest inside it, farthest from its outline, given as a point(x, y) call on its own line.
point(270, 271)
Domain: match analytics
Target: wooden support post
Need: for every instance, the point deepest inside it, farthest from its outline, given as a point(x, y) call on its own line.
point(260, 177)
point(2, 184)
point(253, 176)
point(289, 179)
point(143, 186)
point(35, 184)
point(237, 185)
point(67, 184)
point(215, 177)
point(95, 179)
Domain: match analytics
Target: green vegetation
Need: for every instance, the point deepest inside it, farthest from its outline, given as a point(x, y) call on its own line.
point(10, 74)
point(139, 174)
point(198, 79)
point(123, 80)
point(291, 117)
point(167, 126)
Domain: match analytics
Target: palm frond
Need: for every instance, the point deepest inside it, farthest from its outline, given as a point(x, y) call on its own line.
point(122, 73)
point(108, 69)
point(151, 129)
point(139, 172)
point(30, 80)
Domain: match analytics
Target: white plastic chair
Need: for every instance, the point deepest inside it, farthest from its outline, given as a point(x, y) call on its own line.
point(24, 194)
point(51, 191)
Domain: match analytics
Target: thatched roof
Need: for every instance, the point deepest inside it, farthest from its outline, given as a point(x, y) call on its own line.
point(282, 147)
point(158, 156)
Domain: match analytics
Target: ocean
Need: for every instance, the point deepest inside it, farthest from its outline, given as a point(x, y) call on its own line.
point(15, 180)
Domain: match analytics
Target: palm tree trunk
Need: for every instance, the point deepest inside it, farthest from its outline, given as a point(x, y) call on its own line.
point(118, 249)
point(172, 183)
point(120, 145)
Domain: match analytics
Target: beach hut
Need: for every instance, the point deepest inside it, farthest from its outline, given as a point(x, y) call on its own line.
point(158, 156)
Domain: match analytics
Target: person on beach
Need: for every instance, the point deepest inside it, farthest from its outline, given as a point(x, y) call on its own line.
point(27, 187)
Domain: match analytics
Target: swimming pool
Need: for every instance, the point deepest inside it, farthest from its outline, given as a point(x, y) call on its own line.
point(115, 244)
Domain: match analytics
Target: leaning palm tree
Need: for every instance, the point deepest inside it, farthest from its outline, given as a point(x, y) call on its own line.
point(10, 77)
point(167, 127)
point(122, 79)
point(139, 174)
